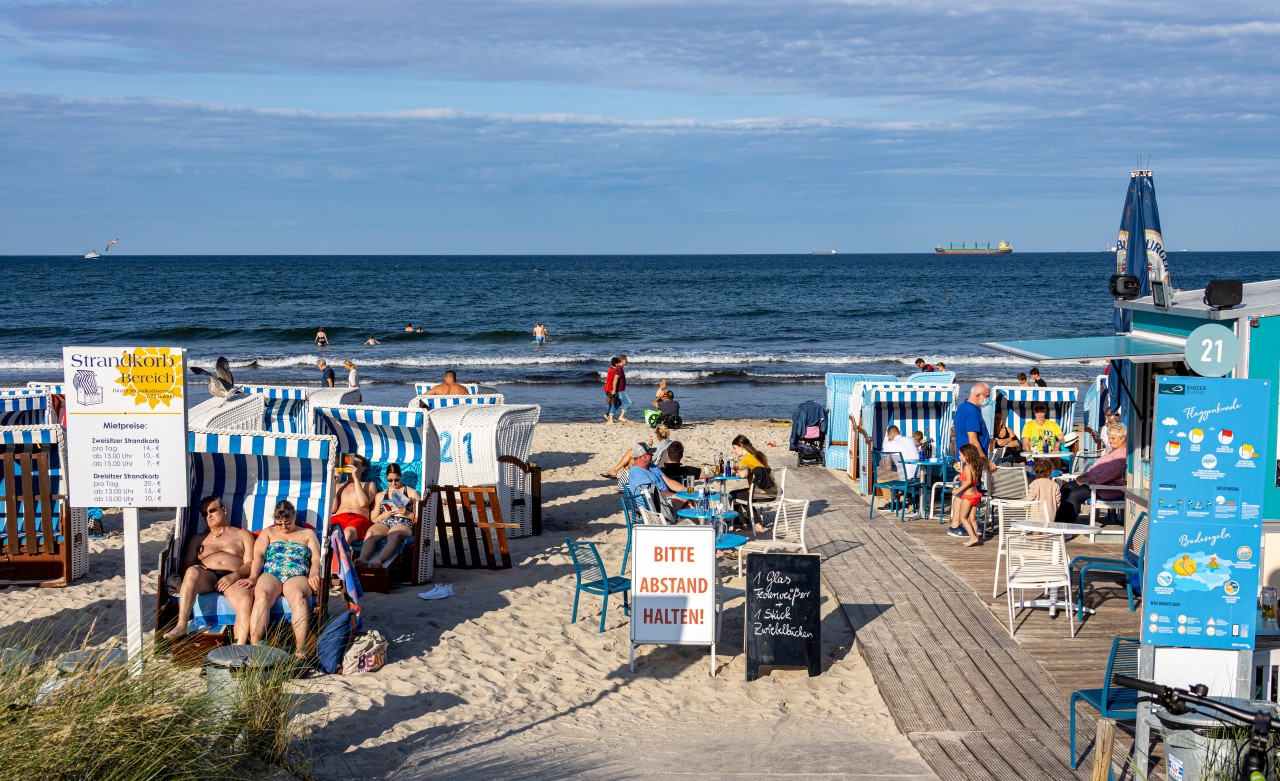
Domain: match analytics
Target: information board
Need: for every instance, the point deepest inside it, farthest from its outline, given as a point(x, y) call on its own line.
point(783, 623)
point(674, 585)
point(126, 426)
point(1209, 463)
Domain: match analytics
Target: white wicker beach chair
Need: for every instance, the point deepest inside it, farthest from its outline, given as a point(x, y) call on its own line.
point(1037, 562)
point(393, 435)
point(788, 531)
point(288, 407)
point(42, 543)
point(1008, 512)
point(244, 413)
point(440, 402)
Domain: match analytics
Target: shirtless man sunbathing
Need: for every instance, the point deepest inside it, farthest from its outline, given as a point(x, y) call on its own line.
point(449, 387)
point(216, 561)
point(352, 501)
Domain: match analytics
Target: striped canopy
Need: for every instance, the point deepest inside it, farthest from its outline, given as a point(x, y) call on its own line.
point(385, 435)
point(23, 407)
point(440, 402)
point(910, 407)
point(839, 388)
point(1012, 404)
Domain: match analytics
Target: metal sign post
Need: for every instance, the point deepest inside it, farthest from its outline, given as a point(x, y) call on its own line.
point(127, 443)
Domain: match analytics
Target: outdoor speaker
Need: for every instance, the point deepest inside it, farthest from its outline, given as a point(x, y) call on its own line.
point(1124, 286)
point(1223, 293)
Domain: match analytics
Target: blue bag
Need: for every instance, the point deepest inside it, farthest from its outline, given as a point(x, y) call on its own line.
point(334, 640)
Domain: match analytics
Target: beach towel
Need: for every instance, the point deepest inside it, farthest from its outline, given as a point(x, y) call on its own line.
point(346, 571)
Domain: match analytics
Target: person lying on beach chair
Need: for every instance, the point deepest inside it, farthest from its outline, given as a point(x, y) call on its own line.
point(658, 443)
point(352, 502)
point(286, 560)
point(393, 513)
point(449, 387)
point(216, 561)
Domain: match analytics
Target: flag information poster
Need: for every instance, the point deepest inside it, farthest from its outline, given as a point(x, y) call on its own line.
point(1209, 461)
point(126, 426)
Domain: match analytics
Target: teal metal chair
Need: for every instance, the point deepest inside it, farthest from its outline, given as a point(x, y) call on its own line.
point(1131, 566)
point(589, 570)
point(902, 491)
point(1111, 701)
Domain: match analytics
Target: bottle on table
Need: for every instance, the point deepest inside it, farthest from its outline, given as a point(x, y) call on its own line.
point(1269, 600)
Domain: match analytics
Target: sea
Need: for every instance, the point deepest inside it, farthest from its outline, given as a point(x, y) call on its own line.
point(735, 336)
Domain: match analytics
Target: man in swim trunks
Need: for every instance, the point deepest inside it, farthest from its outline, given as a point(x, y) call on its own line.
point(539, 333)
point(352, 501)
point(326, 374)
point(449, 387)
point(216, 561)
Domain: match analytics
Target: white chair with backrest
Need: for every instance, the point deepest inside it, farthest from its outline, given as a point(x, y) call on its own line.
point(754, 503)
point(1009, 512)
point(1107, 506)
point(1037, 562)
point(788, 531)
point(650, 518)
point(1005, 482)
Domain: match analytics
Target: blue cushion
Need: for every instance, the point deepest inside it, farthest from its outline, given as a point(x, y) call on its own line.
point(213, 609)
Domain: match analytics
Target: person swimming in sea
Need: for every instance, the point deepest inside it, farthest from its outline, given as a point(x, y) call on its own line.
point(539, 333)
point(322, 339)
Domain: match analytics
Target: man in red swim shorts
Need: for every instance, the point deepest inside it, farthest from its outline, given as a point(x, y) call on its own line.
point(352, 502)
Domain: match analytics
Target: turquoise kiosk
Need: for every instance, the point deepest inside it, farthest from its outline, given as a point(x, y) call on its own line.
point(1168, 342)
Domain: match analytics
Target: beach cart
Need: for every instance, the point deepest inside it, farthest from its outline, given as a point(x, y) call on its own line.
point(491, 446)
point(839, 388)
point(43, 541)
point(393, 435)
point(440, 402)
point(249, 471)
point(288, 408)
point(874, 406)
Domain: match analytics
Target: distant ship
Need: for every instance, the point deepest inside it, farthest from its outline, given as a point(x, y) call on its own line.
point(1003, 248)
point(93, 253)
point(823, 252)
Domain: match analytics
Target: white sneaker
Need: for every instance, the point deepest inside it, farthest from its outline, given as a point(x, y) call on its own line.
point(440, 591)
point(914, 516)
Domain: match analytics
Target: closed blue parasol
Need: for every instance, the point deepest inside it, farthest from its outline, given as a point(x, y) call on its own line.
point(1140, 252)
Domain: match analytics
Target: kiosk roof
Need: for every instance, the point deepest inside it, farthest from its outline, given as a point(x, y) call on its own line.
point(1090, 347)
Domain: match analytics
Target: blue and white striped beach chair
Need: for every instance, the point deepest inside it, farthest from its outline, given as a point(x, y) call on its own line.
point(1013, 404)
point(24, 407)
point(839, 389)
point(287, 409)
point(474, 388)
point(1094, 412)
point(393, 435)
point(910, 407)
point(440, 402)
point(41, 543)
point(250, 472)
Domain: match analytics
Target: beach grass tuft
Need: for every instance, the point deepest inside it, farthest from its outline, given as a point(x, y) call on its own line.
point(161, 723)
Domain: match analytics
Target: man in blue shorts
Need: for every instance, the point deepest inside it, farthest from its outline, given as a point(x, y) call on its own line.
point(969, 428)
point(539, 333)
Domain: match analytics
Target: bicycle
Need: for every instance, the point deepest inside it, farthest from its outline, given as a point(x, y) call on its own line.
point(1253, 761)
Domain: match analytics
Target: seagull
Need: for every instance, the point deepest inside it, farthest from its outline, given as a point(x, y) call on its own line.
point(222, 384)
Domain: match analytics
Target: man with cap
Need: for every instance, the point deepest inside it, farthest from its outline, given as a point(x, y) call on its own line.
point(644, 475)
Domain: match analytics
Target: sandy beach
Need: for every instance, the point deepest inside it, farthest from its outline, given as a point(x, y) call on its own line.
point(496, 683)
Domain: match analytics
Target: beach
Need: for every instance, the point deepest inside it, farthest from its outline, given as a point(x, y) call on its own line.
point(495, 682)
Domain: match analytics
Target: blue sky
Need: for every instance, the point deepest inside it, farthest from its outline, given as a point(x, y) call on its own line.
point(608, 126)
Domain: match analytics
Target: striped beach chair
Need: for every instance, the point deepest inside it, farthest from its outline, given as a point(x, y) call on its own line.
point(839, 389)
point(243, 413)
point(491, 446)
point(287, 409)
point(857, 449)
point(1093, 410)
point(250, 472)
point(43, 540)
point(1012, 404)
point(474, 388)
point(910, 407)
point(393, 435)
point(24, 407)
point(440, 402)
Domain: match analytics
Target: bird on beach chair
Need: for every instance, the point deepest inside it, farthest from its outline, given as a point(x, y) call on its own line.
point(221, 385)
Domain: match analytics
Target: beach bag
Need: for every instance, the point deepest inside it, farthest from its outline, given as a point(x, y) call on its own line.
point(334, 640)
point(367, 653)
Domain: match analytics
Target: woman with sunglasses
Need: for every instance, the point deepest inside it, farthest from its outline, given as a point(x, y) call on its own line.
point(286, 560)
point(391, 520)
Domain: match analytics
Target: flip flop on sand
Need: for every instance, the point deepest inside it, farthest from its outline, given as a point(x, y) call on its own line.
point(608, 476)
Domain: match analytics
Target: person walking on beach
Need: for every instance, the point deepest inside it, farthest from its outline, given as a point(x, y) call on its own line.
point(539, 333)
point(620, 390)
point(921, 366)
point(615, 383)
point(326, 374)
point(1022, 380)
point(216, 561)
point(322, 339)
point(970, 429)
point(353, 378)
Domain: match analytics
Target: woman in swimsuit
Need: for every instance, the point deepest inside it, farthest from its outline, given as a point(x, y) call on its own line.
point(286, 560)
point(322, 339)
point(393, 523)
point(970, 496)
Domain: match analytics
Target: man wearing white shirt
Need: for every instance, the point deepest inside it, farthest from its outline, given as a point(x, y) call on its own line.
point(894, 442)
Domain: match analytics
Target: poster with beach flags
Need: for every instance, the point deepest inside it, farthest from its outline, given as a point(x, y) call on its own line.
point(1209, 457)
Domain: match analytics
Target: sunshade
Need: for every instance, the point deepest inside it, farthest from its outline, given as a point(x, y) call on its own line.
point(1121, 346)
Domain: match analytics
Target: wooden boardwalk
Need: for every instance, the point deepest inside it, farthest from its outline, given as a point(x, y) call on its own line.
point(974, 702)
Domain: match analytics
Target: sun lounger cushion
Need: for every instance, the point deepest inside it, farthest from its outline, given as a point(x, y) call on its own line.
point(214, 610)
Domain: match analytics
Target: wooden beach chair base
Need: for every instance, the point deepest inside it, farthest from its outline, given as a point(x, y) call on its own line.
point(467, 521)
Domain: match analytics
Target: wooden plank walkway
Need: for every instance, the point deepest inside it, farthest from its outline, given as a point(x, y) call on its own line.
point(974, 702)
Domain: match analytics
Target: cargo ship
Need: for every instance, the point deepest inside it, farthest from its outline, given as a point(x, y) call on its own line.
point(1003, 248)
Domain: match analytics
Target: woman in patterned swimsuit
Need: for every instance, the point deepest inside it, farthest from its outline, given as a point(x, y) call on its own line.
point(286, 560)
point(394, 523)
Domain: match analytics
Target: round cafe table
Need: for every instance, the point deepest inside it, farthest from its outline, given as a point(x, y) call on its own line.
point(691, 496)
point(698, 514)
point(730, 541)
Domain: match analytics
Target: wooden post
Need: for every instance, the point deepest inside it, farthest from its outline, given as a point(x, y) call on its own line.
point(1102, 742)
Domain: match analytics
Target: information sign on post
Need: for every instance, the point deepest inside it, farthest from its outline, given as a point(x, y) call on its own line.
point(1203, 554)
point(674, 587)
point(127, 442)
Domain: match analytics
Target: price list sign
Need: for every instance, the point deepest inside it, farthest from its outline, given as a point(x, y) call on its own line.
point(126, 426)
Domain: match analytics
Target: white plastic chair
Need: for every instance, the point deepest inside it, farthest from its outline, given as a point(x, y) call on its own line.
point(1008, 512)
point(650, 518)
point(1039, 562)
point(1004, 482)
point(1106, 505)
point(788, 531)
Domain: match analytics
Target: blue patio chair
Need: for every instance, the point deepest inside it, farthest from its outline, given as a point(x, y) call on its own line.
point(902, 491)
point(1131, 566)
point(1111, 701)
point(588, 568)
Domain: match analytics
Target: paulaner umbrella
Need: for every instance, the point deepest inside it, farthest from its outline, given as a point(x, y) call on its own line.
point(1140, 252)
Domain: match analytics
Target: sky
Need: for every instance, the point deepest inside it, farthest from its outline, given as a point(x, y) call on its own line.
point(629, 126)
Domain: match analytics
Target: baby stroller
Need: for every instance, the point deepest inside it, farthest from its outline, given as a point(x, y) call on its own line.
point(808, 432)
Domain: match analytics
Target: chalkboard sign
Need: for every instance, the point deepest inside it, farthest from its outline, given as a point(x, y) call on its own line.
point(783, 623)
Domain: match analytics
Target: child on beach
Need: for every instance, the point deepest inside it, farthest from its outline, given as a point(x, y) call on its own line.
point(970, 496)
point(1044, 489)
point(922, 444)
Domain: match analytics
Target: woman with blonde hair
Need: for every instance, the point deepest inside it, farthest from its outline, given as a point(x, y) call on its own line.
point(1107, 470)
point(353, 378)
point(660, 441)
